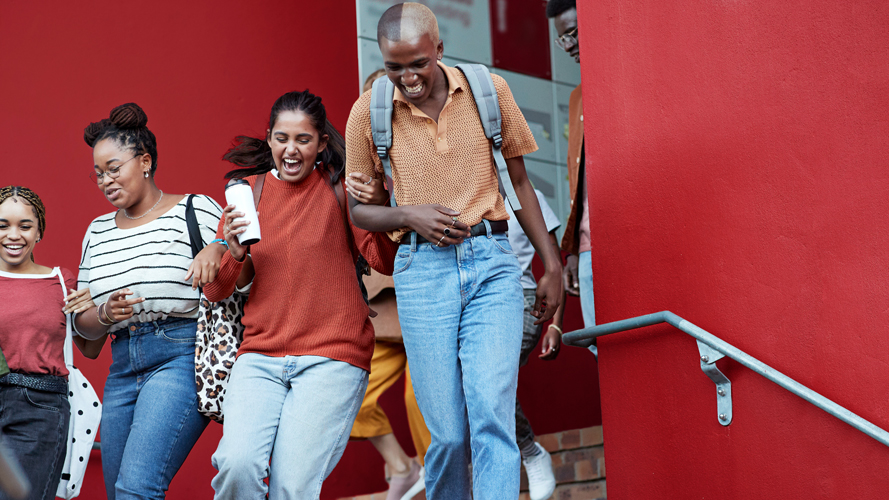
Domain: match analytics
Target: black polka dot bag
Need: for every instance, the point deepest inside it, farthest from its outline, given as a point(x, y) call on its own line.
point(86, 413)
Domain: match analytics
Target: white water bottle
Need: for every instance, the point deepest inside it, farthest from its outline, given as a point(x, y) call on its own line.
point(239, 193)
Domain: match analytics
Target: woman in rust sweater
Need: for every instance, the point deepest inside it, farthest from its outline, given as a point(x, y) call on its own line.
point(302, 367)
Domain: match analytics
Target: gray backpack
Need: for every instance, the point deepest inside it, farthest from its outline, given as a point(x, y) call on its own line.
point(482, 87)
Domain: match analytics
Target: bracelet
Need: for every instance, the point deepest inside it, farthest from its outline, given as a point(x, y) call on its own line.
point(556, 327)
point(221, 242)
point(105, 312)
point(99, 318)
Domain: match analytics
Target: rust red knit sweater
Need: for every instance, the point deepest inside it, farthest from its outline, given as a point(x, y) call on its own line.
point(305, 298)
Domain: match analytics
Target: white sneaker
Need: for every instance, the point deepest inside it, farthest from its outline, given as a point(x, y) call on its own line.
point(541, 482)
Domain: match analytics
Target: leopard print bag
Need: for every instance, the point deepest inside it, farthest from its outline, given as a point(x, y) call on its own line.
point(219, 334)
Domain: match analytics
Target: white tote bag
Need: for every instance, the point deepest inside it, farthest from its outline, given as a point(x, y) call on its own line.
point(86, 412)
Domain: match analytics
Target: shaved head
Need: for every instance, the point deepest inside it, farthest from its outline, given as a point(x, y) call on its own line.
point(407, 21)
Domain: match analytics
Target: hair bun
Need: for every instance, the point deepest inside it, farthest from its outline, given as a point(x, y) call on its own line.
point(128, 115)
point(91, 133)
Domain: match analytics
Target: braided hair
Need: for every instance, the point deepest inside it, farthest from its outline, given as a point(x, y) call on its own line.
point(126, 126)
point(29, 198)
point(254, 155)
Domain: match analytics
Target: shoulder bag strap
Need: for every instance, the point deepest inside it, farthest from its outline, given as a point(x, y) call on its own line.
point(485, 94)
point(194, 232)
point(69, 354)
point(381, 104)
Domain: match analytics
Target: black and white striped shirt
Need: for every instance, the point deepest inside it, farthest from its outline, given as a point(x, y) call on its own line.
point(151, 260)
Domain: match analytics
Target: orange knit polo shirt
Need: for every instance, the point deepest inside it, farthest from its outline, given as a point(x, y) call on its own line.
point(448, 162)
point(305, 298)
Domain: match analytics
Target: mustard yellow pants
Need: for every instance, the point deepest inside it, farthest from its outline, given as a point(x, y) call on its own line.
point(388, 363)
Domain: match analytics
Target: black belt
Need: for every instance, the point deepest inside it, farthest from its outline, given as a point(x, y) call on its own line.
point(497, 226)
point(48, 383)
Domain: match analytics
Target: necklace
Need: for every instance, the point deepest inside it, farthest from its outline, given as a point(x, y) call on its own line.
point(125, 214)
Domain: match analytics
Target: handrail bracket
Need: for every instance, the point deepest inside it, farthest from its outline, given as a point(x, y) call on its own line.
point(709, 357)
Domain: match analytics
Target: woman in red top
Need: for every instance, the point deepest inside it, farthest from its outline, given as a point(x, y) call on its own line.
point(302, 366)
point(34, 409)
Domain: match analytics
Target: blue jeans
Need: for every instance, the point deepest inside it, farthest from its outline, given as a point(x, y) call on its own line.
point(150, 418)
point(585, 280)
point(35, 429)
point(460, 309)
point(296, 410)
point(587, 300)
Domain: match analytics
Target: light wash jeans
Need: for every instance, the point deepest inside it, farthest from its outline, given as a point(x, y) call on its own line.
point(460, 309)
point(585, 280)
point(150, 418)
point(296, 410)
point(587, 300)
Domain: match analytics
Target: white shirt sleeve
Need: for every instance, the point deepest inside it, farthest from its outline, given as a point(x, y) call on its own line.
point(549, 217)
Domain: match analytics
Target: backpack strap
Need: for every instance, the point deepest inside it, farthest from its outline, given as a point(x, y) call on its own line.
point(485, 95)
point(257, 189)
point(362, 268)
point(381, 96)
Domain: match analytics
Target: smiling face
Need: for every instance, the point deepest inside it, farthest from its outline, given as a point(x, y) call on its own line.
point(19, 232)
point(131, 185)
point(411, 66)
point(566, 22)
point(295, 144)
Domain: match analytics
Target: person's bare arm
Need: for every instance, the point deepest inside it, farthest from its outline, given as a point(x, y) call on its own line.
point(549, 288)
point(552, 338)
point(429, 221)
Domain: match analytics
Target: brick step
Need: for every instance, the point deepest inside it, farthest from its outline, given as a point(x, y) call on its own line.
point(578, 465)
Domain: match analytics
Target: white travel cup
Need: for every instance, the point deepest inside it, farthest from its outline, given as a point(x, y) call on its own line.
point(239, 193)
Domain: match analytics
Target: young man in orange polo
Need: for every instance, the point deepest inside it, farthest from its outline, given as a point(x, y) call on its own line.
point(457, 281)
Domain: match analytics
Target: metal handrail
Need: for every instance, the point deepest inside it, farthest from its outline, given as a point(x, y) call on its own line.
point(584, 338)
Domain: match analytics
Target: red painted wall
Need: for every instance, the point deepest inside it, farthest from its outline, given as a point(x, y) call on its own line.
point(204, 72)
point(738, 172)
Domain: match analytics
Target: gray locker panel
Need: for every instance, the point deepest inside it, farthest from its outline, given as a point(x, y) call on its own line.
point(535, 98)
point(369, 59)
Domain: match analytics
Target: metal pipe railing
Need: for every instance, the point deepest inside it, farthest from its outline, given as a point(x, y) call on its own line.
point(584, 338)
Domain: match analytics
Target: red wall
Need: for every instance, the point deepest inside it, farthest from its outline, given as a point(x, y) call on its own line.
point(204, 72)
point(738, 172)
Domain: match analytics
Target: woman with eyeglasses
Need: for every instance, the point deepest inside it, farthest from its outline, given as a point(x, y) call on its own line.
point(134, 262)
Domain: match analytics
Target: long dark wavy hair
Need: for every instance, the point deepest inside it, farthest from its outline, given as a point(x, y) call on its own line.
point(254, 156)
point(127, 126)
